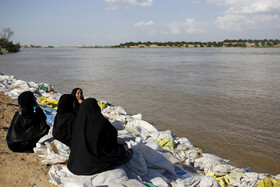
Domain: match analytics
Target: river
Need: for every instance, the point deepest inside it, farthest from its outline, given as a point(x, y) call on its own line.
point(224, 100)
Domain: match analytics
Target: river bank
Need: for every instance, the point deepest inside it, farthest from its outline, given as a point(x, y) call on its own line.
point(188, 158)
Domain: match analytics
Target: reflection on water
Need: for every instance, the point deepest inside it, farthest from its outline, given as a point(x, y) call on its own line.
point(225, 100)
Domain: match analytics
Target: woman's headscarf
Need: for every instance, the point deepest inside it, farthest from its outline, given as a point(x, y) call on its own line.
point(26, 100)
point(65, 103)
point(77, 104)
point(64, 119)
point(94, 146)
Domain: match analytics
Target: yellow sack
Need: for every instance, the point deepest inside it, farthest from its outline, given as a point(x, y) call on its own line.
point(221, 180)
point(199, 150)
point(268, 182)
point(102, 105)
point(166, 142)
point(233, 177)
point(53, 103)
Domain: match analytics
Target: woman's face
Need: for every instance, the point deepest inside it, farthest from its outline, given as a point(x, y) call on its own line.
point(79, 94)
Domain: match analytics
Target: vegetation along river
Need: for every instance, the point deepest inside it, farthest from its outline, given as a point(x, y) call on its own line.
point(225, 100)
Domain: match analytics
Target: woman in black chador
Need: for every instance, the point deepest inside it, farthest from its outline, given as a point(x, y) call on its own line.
point(78, 96)
point(28, 125)
point(94, 146)
point(64, 118)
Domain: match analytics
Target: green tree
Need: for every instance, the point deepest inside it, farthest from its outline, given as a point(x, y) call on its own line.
point(5, 43)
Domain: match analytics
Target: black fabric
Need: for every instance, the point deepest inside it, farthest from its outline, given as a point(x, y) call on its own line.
point(27, 101)
point(77, 104)
point(27, 126)
point(94, 146)
point(64, 119)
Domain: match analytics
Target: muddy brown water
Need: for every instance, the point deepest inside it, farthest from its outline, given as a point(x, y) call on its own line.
point(225, 100)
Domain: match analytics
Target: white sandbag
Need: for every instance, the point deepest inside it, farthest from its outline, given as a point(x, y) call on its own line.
point(22, 85)
point(124, 118)
point(170, 156)
point(33, 84)
point(61, 176)
point(132, 183)
point(6, 79)
point(51, 95)
point(210, 165)
point(128, 183)
point(142, 124)
point(120, 110)
point(154, 159)
point(145, 134)
point(198, 181)
point(188, 157)
point(157, 178)
point(166, 133)
point(14, 93)
point(32, 89)
point(186, 143)
point(219, 159)
point(53, 151)
point(110, 113)
point(254, 179)
point(3, 86)
point(137, 116)
point(116, 175)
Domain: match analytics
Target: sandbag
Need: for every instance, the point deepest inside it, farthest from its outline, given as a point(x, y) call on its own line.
point(269, 182)
point(53, 103)
point(115, 175)
point(166, 143)
point(61, 176)
point(155, 159)
point(53, 151)
point(198, 181)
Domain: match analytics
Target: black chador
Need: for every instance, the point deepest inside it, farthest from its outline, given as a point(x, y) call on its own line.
point(94, 146)
point(28, 124)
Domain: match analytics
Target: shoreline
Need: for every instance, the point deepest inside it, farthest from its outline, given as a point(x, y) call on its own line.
point(34, 159)
point(246, 43)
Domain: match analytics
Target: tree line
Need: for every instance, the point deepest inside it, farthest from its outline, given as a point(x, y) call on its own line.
point(5, 42)
point(225, 43)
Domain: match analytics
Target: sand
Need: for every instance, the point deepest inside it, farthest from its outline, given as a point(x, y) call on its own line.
point(18, 169)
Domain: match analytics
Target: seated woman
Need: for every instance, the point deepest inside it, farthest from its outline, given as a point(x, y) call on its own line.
point(64, 118)
point(94, 146)
point(79, 98)
point(27, 125)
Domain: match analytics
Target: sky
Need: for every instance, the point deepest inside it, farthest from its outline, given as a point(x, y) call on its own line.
point(111, 22)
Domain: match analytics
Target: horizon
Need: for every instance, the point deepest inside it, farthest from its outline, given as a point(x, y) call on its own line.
point(253, 40)
point(112, 22)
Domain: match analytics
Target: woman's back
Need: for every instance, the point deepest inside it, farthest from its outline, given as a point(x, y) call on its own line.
point(27, 125)
point(94, 146)
point(64, 119)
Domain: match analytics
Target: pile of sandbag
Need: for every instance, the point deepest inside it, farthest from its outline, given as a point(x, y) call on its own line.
point(159, 158)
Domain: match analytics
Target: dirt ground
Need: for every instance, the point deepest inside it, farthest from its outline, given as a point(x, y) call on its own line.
point(18, 169)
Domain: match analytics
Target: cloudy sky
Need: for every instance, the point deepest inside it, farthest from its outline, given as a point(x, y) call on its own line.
point(111, 22)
